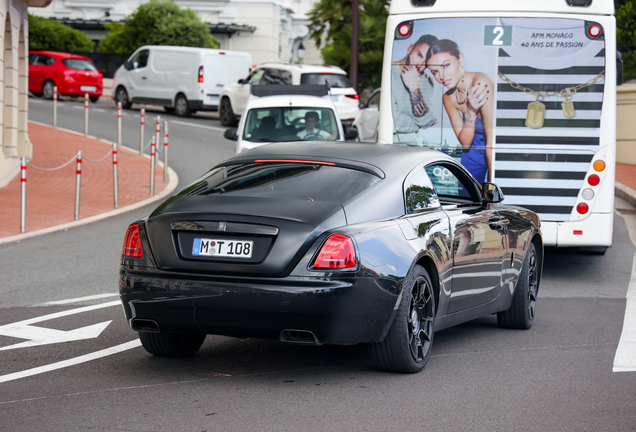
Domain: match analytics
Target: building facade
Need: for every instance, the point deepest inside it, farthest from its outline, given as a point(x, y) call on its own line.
point(270, 30)
point(14, 72)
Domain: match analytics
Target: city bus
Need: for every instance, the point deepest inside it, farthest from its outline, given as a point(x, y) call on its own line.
point(522, 93)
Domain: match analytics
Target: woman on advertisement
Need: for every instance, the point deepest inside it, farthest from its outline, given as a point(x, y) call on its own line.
point(469, 106)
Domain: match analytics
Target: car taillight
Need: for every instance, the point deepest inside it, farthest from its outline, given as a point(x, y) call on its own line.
point(353, 96)
point(132, 242)
point(200, 74)
point(337, 253)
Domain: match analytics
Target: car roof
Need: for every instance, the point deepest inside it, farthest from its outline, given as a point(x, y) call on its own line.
point(60, 55)
point(380, 159)
point(289, 100)
point(306, 68)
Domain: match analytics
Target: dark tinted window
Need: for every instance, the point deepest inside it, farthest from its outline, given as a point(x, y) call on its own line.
point(332, 80)
point(451, 182)
point(419, 193)
point(276, 76)
point(284, 180)
point(79, 64)
point(43, 60)
point(140, 60)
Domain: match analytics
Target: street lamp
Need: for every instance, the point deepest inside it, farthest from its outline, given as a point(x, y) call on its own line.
point(301, 52)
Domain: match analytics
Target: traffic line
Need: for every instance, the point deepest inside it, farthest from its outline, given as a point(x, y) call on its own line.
point(71, 362)
point(65, 313)
point(214, 128)
point(625, 358)
point(79, 299)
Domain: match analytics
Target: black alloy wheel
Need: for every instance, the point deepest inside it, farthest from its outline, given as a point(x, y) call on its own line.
point(171, 344)
point(407, 346)
point(48, 89)
point(522, 311)
point(181, 106)
point(226, 114)
point(121, 95)
point(94, 98)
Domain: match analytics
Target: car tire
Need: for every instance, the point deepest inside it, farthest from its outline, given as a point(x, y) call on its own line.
point(171, 344)
point(48, 89)
point(94, 98)
point(407, 346)
point(226, 114)
point(121, 95)
point(181, 106)
point(521, 313)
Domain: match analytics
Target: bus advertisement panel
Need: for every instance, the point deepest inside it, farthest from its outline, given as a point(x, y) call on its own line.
point(517, 100)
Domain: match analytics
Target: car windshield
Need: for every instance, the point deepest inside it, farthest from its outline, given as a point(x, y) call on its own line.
point(332, 80)
point(281, 124)
point(284, 180)
point(79, 64)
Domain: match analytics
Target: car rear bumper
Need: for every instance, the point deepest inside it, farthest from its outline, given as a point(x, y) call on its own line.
point(357, 310)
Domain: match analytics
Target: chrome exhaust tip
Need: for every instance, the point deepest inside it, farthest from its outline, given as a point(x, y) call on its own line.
point(145, 325)
point(299, 337)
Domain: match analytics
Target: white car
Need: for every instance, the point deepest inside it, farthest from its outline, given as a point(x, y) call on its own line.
point(272, 114)
point(345, 98)
point(367, 122)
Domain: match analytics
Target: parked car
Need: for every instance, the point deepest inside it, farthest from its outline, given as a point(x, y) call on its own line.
point(323, 243)
point(282, 113)
point(345, 98)
point(367, 122)
point(73, 75)
point(181, 79)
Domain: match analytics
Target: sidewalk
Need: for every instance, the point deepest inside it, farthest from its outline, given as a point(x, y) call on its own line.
point(626, 182)
point(51, 194)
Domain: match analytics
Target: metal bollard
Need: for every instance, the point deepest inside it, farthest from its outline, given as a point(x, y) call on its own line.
point(54, 106)
point(115, 176)
point(78, 184)
point(118, 124)
point(158, 133)
point(142, 122)
point(23, 179)
point(153, 160)
point(85, 114)
point(165, 152)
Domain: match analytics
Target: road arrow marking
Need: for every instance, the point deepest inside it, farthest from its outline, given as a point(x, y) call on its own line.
point(43, 336)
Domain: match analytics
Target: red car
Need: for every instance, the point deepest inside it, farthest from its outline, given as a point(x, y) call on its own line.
point(73, 75)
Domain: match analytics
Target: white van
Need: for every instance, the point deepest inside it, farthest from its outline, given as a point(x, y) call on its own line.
point(181, 79)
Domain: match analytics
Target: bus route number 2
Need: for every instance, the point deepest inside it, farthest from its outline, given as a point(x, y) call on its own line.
point(498, 35)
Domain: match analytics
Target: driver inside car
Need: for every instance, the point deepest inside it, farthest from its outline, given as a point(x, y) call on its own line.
point(312, 131)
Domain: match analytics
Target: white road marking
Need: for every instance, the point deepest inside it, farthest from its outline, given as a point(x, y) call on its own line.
point(79, 299)
point(66, 313)
point(214, 128)
point(71, 362)
point(625, 358)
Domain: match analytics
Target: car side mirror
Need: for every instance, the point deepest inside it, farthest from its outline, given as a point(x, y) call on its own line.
point(492, 193)
point(230, 133)
point(241, 81)
point(351, 133)
point(127, 65)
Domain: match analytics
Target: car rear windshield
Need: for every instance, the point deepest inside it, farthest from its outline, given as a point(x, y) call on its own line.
point(79, 64)
point(282, 124)
point(332, 80)
point(287, 180)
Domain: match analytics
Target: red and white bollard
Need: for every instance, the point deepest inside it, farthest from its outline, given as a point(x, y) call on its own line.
point(78, 184)
point(158, 133)
point(86, 114)
point(142, 123)
point(153, 160)
point(165, 152)
point(115, 176)
point(119, 123)
point(54, 106)
point(23, 179)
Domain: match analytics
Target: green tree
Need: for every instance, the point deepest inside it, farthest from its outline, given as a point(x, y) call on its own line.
point(157, 23)
point(626, 36)
point(332, 20)
point(46, 34)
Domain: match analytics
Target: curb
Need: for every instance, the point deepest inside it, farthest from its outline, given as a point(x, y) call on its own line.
point(626, 193)
point(170, 187)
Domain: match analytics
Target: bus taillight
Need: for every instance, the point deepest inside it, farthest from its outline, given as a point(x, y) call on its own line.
point(582, 208)
point(599, 166)
point(593, 180)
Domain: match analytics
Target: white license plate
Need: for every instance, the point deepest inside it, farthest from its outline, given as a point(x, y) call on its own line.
point(335, 98)
point(88, 88)
point(222, 248)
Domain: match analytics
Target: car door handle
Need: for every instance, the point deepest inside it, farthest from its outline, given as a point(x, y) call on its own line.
point(143, 77)
point(498, 224)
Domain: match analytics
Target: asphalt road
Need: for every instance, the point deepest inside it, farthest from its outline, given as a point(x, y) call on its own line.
point(555, 377)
